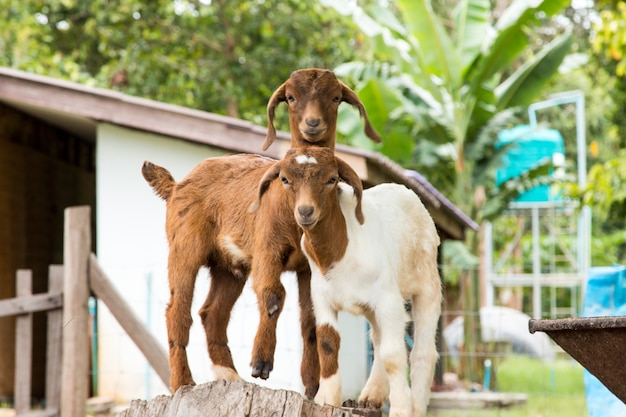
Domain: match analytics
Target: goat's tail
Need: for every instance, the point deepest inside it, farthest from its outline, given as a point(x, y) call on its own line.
point(159, 179)
point(425, 312)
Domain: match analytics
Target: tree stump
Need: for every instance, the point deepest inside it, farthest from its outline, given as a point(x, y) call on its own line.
point(236, 399)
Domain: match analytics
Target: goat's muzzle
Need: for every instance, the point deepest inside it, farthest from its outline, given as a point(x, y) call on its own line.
point(305, 217)
point(313, 129)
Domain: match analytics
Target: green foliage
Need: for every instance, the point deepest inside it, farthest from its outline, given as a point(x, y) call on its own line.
point(606, 190)
point(457, 258)
point(606, 195)
point(219, 56)
point(610, 36)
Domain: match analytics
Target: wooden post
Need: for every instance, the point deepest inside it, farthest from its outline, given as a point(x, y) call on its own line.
point(55, 331)
point(75, 370)
point(126, 317)
point(23, 345)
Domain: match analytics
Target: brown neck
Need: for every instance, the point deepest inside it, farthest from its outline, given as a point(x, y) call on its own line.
point(327, 241)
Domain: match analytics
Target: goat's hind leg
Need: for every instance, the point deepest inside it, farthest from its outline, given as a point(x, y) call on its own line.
point(224, 291)
point(426, 312)
point(182, 278)
point(310, 367)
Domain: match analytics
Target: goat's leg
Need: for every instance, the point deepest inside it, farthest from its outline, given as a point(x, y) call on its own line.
point(376, 388)
point(271, 298)
point(310, 367)
point(215, 314)
point(426, 311)
point(390, 317)
point(328, 342)
point(182, 278)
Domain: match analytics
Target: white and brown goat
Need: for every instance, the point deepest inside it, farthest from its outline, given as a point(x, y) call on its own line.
point(208, 224)
point(369, 251)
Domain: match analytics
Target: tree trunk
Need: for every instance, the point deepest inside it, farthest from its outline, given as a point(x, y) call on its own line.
point(236, 399)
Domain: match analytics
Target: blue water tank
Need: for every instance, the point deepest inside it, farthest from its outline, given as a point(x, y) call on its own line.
point(532, 146)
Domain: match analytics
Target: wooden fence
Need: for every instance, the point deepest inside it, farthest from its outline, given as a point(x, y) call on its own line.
point(66, 303)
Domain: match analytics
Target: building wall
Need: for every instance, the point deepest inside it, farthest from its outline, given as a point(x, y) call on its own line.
point(43, 170)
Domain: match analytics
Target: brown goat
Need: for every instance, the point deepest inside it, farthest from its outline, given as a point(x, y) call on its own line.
point(207, 224)
point(313, 96)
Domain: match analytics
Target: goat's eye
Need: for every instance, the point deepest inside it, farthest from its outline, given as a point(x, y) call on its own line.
point(331, 181)
point(284, 180)
point(336, 99)
point(291, 98)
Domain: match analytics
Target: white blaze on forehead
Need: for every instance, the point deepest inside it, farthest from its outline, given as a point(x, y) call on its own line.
point(306, 159)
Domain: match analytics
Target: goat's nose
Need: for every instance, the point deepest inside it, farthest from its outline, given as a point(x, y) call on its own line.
point(305, 211)
point(313, 122)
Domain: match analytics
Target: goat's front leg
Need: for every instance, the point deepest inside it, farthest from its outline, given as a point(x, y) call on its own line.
point(271, 298)
point(310, 366)
point(215, 314)
point(182, 277)
point(328, 342)
point(376, 388)
point(390, 320)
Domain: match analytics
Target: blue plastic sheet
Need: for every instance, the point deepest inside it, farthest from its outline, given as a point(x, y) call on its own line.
point(605, 295)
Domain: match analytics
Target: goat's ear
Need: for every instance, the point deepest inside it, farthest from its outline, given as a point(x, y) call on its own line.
point(350, 177)
point(264, 184)
point(277, 97)
point(351, 98)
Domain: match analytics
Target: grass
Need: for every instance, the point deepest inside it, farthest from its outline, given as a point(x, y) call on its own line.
point(554, 389)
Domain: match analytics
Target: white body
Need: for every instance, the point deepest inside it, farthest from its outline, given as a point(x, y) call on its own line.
point(390, 258)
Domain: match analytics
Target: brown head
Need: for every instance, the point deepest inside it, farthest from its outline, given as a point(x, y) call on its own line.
point(310, 177)
point(313, 96)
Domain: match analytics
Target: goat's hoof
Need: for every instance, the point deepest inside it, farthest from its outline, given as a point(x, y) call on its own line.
point(365, 405)
point(311, 390)
point(262, 369)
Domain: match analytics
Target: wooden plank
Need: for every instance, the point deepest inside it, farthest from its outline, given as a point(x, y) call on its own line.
point(41, 413)
point(23, 345)
point(54, 343)
point(30, 304)
point(75, 370)
point(126, 317)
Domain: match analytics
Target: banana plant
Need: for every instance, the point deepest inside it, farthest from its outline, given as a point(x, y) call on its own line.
point(438, 95)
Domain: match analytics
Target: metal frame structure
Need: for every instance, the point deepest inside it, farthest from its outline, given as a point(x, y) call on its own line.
point(547, 222)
